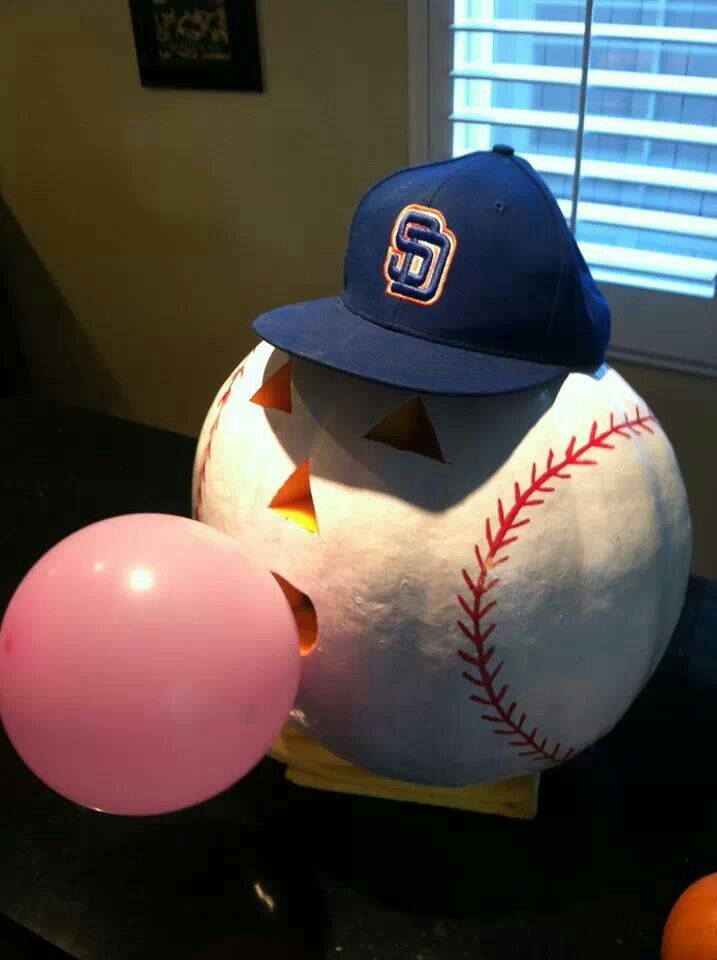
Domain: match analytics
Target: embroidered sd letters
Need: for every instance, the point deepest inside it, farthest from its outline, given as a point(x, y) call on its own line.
point(419, 255)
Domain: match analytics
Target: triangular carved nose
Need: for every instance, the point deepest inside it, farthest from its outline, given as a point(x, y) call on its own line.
point(294, 501)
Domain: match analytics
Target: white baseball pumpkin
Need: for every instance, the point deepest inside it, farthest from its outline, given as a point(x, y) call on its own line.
point(483, 585)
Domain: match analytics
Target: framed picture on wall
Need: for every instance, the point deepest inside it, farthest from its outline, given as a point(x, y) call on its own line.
point(197, 44)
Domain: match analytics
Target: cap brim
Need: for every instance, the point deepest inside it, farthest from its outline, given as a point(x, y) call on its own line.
point(328, 333)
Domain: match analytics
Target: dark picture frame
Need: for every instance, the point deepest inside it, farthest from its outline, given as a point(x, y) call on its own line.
point(197, 44)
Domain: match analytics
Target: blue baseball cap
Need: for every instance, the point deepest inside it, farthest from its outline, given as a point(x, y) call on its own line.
point(461, 277)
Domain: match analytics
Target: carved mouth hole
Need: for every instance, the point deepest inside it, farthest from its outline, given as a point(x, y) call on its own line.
point(304, 614)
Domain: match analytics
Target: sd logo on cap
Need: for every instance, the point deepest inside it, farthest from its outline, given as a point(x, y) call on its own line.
point(461, 277)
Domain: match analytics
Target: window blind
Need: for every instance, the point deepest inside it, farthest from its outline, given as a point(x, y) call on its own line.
point(628, 131)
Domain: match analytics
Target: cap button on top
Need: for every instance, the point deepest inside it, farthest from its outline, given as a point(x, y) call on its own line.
point(504, 148)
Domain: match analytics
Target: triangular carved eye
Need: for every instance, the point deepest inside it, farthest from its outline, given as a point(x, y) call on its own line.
point(409, 427)
point(275, 394)
point(294, 501)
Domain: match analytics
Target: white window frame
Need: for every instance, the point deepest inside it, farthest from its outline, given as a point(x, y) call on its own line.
point(655, 328)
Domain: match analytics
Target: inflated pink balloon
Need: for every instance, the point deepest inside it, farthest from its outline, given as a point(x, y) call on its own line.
point(146, 664)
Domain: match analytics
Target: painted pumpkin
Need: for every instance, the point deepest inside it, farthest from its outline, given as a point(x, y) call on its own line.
point(691, 929)
point(482, 585)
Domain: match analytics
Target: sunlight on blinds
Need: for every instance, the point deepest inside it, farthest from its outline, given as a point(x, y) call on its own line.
point(647, 187)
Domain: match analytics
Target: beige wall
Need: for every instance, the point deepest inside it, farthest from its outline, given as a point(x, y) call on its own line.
point(167, 220)
point(150, 227)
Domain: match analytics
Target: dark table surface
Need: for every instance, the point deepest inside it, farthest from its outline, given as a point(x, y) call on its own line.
point(269, 870)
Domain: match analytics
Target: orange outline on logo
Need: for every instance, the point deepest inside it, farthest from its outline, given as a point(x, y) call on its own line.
point(392, 250)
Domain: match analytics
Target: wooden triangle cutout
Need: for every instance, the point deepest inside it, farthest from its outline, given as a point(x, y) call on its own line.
point(275, 394)
point(294, 500)
point(409, 427)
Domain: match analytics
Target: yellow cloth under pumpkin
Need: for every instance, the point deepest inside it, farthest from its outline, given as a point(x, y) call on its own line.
point(311, 765)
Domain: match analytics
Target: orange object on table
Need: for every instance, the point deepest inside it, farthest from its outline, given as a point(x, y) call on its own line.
point(691, 929)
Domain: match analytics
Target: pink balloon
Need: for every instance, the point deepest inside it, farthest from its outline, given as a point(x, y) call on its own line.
point(146, 664)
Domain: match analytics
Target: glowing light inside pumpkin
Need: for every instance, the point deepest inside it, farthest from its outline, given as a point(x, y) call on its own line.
point(409, 427)
point(304, 614)
point(294, 500)
point(275, 394)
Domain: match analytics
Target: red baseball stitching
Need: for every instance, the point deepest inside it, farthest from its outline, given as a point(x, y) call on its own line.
point(503, 719)
point(221, 403)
